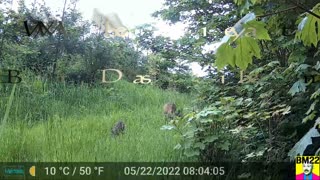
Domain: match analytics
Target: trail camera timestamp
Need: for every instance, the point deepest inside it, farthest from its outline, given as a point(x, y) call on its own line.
point(174, 171)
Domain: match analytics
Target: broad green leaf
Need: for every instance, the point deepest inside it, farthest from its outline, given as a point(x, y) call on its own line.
point(200, 145)
point(257, 71)
point(302, 67)
point(317, 66)
point(253, 44)
point(189, 134)
point(225, 56)
point(308, 28)
point(246, 48)
point(315, 94)
point(199, 129)
point(239, 101)
point(297, 56)
point(312, 107)
point(227, 99)
point(191, 152)
point(260, 30)
point(211, 138)
point(187, 144)
point(309, 117)
point(286, 110)
point(273, 63)
point(242, 55)
point(302, 23)
point(224, 146)
point(249, 115)
point(208, 111)
point(298, 86)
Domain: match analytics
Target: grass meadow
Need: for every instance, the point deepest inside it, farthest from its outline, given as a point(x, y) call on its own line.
point(43, 122)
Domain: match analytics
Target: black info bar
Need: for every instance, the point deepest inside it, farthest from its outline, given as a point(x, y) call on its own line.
point(140, 170)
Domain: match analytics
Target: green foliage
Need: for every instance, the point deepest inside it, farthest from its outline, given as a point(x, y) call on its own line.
point(164, 64)
point(254, 118)
point(245, 48)
point(308, 28)
point(225, 55)
point(258, 120)
point(297, 87)
point(60, 57)
point(241, 56)
point(261, 33)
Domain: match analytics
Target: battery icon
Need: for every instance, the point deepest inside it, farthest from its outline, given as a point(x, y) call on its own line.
point(32, 171)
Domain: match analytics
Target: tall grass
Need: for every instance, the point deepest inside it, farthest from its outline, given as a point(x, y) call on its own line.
point(57, 122)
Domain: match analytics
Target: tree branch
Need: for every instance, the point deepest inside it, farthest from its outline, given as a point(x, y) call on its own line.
point(270, 14)
point(305, 9)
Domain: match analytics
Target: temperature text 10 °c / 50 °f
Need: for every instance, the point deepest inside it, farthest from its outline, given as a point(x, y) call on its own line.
point(74, 171)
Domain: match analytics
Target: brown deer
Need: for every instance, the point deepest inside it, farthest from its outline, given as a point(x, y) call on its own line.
point(118, 128)
point(169, 110)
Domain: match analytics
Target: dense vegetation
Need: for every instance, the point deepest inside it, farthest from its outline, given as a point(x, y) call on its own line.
point(61, 111)
point(257, 117)
point(72, 124)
